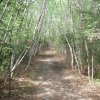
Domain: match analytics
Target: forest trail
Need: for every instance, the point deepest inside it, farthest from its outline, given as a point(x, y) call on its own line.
point(49, 80)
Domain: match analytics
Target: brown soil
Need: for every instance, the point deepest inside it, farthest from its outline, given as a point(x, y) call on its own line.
point(48, 79)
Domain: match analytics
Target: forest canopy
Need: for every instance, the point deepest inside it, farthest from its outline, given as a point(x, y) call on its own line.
point(71, 26)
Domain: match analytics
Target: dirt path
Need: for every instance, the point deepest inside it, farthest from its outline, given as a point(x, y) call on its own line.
point(54, 82)
point(51, 81)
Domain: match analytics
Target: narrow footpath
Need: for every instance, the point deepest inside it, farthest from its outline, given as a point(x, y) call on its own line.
point(48, 79)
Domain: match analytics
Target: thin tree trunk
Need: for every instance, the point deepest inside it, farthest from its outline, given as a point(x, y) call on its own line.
point(92, 63)
point(5, 8)
point(71, 53)
point(80, 61)
point(87, 52)
point(77, 62)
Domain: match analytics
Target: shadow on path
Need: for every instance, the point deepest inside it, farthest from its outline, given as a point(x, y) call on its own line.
point(47, 79)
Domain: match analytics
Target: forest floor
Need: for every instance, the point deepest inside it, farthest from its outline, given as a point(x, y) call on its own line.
point(47, 78)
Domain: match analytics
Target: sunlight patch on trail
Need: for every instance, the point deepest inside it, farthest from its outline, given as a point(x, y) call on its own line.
point(68, 77)
point(49, 52)
point(54, 82)
point(28, 81)
point(51, 59)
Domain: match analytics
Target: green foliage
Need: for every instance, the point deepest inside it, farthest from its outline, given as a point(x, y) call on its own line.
point(4, 56)
point(60, 19)
point(13, 33)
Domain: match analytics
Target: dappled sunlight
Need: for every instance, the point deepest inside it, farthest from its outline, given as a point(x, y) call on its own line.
point(48, 56)
point(54, 82)
point(48, 93)
point(27, 81)
point(49, 52)
point(46, 60)
point(51, 59)
point(68, 77)
point(49, 49)
point(46, 83)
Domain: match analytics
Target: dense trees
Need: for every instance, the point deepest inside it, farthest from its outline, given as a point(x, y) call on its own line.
point(77, 30)
point(70, 25)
